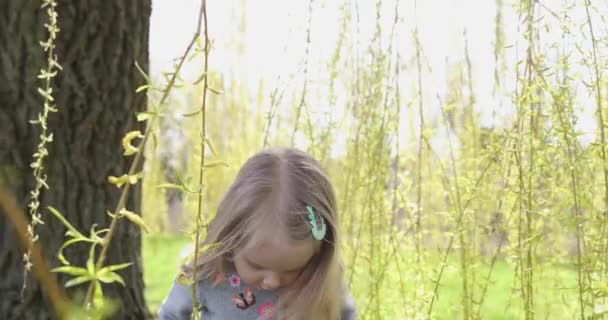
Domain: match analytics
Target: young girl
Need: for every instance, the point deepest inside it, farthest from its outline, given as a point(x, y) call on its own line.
point(277, 251)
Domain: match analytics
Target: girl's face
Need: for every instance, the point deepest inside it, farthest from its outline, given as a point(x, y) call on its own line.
point(275, 263)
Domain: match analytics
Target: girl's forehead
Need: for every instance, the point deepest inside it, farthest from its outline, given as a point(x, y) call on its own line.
point(279, 254)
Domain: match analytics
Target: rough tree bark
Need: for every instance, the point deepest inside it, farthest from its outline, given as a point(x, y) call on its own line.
point(97, 46)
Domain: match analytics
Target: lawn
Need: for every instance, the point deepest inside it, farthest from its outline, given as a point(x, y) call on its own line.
point(161, 260)
point(555, 296)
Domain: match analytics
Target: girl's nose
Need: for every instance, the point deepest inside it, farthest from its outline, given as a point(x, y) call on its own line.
point(271, 282)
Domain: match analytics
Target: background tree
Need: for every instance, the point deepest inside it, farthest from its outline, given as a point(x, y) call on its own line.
point(173, 152)
point(98, 44)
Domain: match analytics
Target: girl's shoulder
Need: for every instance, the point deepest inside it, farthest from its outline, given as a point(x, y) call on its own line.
point(216, 280)
point(178, 302)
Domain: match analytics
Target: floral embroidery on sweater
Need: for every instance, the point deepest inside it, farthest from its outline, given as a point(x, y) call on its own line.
point(266, 310)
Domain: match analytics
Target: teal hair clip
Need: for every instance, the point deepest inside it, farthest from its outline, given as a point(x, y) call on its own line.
point(318, 229)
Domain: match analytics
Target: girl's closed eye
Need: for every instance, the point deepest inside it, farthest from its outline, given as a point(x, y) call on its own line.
point(295, 272)
point(287, 276)
point(254, 265)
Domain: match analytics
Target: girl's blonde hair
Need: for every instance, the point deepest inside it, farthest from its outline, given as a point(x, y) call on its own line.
point(272, 190)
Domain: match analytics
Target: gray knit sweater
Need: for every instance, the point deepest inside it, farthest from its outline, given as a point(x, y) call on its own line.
point(228, 300)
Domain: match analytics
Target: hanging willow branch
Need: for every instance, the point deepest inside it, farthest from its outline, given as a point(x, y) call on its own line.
point(302, 104)
point(199, 221)
point(45, 135)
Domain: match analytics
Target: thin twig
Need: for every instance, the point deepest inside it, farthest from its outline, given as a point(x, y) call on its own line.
point(203, 145)
point(601, 124)
point(305, 88)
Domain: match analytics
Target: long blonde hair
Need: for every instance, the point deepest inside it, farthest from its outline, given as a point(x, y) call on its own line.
point(273, 189)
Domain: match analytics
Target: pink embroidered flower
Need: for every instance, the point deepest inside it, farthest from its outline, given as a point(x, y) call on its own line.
point(266, 310)
point(219, 278)
point(235, 281)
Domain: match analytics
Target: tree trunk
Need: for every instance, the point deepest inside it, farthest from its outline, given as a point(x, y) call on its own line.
point(97, 45)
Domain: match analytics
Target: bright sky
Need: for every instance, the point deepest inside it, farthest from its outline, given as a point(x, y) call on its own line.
point(272, 45)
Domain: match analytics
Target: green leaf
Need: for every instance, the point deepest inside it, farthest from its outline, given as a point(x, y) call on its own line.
point(69, 233)
point(91, 260)
point(199, 43)
point(46, 94)
point(124, 179)
point(193, 113)
point(126, 142)
point(65, 222)
point(73, 271)
point(136, 219)
point(194, 55)
point(212, 164)
point(116, 267)
point(110, 277)
point(99, 236)
point(66, 244)
point(97, 295)
point(143, 116)
point(207, 141)
point(78, 280)
point(201, 78)
point(94, 235)
point(55, 64)
point(142, 72)
point(186, 184)
point(142, 88)
point(216, 91)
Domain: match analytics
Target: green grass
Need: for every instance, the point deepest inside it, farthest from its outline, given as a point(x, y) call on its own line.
point(555, 296)
point(161, 256)
point(502, 300)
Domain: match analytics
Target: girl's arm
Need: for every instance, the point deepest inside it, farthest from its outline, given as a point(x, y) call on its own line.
point(178, 304)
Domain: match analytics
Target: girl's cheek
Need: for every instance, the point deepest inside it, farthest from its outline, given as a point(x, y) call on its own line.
point(288, 280)
point(255, 277)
